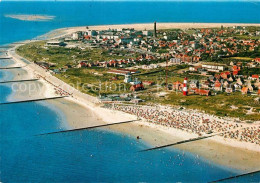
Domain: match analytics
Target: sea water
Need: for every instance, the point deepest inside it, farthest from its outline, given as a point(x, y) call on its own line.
point(96, 155)
point(69, 14)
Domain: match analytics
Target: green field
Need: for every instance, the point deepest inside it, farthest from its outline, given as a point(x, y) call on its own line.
point(61, 56)
point(94, 81)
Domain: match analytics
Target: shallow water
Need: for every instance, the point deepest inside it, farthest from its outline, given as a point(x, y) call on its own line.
point(69, 14)
point(90, 155)
point(98, 156)
point(95, 155)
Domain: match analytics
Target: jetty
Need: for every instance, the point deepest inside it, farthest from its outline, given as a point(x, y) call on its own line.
point(15, 81)
point(236, 176)
point(180, 142)
point(18, 67)
point(33, 100)
point(190, 140)
point(6, 58)
point(88, 128)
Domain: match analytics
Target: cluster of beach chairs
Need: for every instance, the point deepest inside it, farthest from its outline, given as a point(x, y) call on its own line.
point(191, 121)
point(249, 134)
point(59, 91)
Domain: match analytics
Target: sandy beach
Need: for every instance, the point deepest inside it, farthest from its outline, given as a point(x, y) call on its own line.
point(160, 25)
point(82, 110)
point(55, 34)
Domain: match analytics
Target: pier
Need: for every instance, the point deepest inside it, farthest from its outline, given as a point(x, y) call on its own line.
point(14, 81)
point(32, 100)
point(88, 128)
point(236, 176)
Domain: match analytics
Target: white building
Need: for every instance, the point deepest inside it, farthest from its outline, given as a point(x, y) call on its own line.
point(147, 33)
point(213, 68)
point(175, 60)
point(75, 36)
point(91, 32)
point(128, 78)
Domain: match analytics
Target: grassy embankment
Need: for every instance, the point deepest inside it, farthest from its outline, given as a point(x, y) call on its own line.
point(87, 80)
point(37, 51)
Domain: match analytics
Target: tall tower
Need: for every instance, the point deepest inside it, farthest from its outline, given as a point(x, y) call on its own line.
point(185, 88)
point(154, 30)
point(166, 74)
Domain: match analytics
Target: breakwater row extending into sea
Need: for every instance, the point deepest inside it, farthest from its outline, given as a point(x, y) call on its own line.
point(47, 117)
point(95, 155)
point(88, 155)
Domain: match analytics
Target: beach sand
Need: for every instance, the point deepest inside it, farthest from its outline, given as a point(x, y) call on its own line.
point(55, 34)
point(150, 26)
point(81, 112)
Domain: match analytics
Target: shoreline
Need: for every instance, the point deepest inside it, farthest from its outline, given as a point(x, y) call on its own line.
point(160, 25)
point(142, 26)
point(101, 116)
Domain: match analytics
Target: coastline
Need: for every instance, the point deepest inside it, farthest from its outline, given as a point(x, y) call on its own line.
point(160, 25)
point(216, 149)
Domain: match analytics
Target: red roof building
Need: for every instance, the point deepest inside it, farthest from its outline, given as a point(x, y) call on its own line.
point(217, 85)
point(177, 86)
point(235, 73)
point(255, 76)
point(87, 37)
point(236, 68)
point(225, 75)
point(257, 60)
point(202, 92)
point(244, 90)
point(137, 87)
point(83, 64)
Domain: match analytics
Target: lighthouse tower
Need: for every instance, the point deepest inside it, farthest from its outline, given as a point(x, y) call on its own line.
point(185, 88)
